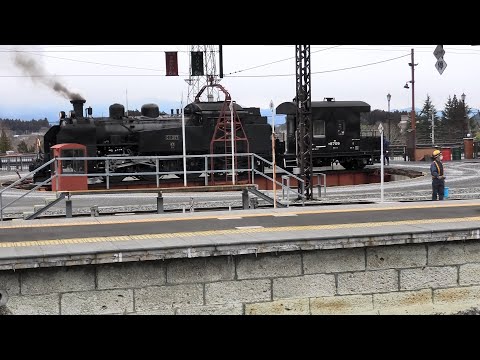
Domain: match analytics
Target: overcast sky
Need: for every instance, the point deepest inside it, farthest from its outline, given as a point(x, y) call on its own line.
point(254, 75)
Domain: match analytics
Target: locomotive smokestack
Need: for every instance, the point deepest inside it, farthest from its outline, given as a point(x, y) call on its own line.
point(78, 107)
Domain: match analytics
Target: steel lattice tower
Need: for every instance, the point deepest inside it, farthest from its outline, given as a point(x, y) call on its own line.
point(304, 116)
point(195, 83)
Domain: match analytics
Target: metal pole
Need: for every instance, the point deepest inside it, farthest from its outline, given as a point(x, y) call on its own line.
point(157, 169)
point(57, 179)
point(159, 202)
point(126, 100)
point(381, 161)
point(232, 135)
point(253, 168)
point(245, 199)
point(272, 107)
point(389, 133)
point(184, 147)
point(206, 171)
point(68, 208)
point(413, 109)
point(107, 172)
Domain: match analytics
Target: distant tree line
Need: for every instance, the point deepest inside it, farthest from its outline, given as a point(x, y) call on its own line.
point(11, 127)
point(452, 126)
point(22, 127)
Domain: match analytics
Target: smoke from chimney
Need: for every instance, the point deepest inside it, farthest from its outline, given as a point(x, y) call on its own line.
point(38, 74)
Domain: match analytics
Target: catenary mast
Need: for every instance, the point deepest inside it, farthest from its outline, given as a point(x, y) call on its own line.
point(209, 77)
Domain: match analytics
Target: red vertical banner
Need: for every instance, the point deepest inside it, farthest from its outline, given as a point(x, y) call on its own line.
point(171, 62)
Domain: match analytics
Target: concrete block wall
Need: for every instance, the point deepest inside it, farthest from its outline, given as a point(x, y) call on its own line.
point(396, 279)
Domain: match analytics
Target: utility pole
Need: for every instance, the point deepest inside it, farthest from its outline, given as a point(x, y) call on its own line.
point(304, 116)
point(414, 136)
point(389, 133)
point(382, 159)
point(274, 163)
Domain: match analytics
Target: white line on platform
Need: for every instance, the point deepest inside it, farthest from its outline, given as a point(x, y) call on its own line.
point(248, 227)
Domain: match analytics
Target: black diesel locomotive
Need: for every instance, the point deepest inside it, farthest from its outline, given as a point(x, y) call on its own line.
point(336, 136)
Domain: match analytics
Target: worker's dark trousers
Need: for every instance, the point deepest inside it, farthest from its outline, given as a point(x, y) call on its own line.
point(438, 189)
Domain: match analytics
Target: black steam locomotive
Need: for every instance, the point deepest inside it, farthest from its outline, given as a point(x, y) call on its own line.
point(335, 126)
point(156, 134)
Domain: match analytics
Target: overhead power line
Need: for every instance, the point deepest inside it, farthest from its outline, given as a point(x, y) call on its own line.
point(232, 76)
point(277, 61)
point(325, 71)
point(90, 62)
point(87, 75)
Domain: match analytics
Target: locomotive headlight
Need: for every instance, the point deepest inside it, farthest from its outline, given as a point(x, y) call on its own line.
point(61, 114)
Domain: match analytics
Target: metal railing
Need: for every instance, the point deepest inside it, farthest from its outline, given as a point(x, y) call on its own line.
point(15, 183)
point(285, 187)
point(155, 161)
